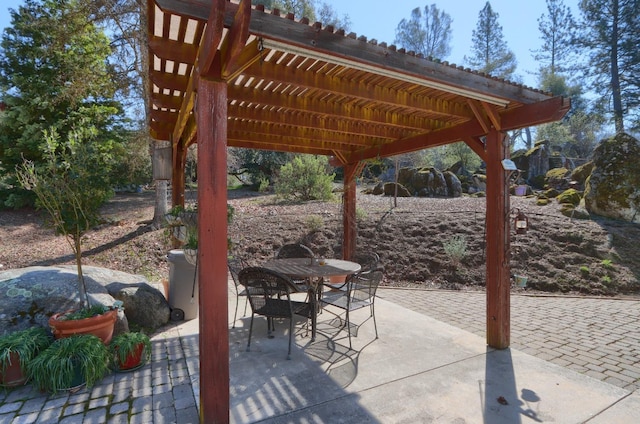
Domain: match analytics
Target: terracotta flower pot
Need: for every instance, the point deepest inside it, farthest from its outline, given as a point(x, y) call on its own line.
point(100, 326)
point(133, 360)
point(12, 376)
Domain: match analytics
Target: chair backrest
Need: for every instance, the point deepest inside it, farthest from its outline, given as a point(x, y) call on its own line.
point(235, 265)
point(263, 284)
point(363, 285)
point(294, 250)
point(368, 260)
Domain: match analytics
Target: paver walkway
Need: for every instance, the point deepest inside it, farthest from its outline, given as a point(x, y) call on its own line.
point(599, 337)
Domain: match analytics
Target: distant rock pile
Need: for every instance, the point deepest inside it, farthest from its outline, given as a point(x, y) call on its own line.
point(422, 182)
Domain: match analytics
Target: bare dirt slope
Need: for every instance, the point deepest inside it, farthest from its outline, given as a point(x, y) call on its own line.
point(558, 254)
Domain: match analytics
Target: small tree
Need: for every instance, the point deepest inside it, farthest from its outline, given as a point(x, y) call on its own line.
point(305, 178)
point(70, 185)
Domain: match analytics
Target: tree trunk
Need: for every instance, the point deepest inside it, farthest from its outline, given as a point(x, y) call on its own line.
point(82, 287)
point(618, 113)
point(161, 207)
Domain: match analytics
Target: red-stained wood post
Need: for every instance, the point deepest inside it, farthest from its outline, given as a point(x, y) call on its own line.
point(177, 176)
point(212, 251)
point(349, 211)
point(498, 232)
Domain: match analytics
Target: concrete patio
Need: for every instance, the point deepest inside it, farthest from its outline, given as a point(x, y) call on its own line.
point(419, 370)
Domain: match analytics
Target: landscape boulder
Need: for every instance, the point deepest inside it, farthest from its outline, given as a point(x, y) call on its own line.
point(390, 190)
point(143, 304)
point(581, 173)
point(429, 182)
point(613, 188)
point(29, 296)
point(557, 178)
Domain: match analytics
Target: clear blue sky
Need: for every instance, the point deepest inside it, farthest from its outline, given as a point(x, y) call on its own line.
point(519, 19)
point(379, 18)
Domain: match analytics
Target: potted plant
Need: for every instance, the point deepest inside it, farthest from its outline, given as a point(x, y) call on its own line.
point(129, 351)
point(17, 350)
point(71, 185)
point(191, 246)
point(70, 363)
point(173, 216)
point(98, 320)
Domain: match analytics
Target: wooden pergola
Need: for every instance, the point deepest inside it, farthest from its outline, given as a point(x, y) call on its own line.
point(223, 73)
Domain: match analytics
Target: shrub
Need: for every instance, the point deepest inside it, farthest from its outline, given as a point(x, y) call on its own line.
point(456, 248)
point(361, 214)
point(607, 264)
point(314, 222)
point(263, 185)
point(305, 178)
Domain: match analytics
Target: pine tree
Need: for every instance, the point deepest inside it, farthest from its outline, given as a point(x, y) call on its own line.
point(428, 33)
point(490, 52)
point(609, 39)
point(556, 28)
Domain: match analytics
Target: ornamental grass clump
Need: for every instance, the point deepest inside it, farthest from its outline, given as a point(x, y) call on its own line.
point(22, 346)
point(70, 362)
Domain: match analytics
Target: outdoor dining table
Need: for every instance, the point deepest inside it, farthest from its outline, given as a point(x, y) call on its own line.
point(313, 270)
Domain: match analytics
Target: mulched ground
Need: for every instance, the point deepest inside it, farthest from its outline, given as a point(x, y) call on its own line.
point(558, 254)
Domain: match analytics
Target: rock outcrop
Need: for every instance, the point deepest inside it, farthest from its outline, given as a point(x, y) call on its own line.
point(613, 188)
point(429, 182)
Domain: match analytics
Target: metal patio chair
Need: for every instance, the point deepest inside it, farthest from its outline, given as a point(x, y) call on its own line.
point(360, 292)
point(269, 294)
point(235, 265)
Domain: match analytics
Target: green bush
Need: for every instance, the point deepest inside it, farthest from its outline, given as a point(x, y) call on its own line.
point(305, 178)
point(456, 248)
point(314, 223)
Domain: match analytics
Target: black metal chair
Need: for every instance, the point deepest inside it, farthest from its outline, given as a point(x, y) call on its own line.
point(235, 264)
point(360, 293)
point(294, 250)
point(269, 294)
point(367, 260)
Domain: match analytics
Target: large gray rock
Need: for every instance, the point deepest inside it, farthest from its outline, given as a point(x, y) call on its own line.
point(390, 190)
point(613, 188)
point(29, 296)
point(143, 304)
point(429, 182)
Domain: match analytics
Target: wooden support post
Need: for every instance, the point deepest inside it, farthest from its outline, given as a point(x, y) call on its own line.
point(177, 176)
point(349, 225)
point(498, 232)
point(212, 251)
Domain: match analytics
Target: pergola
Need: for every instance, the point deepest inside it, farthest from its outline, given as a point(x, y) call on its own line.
point(224, 73)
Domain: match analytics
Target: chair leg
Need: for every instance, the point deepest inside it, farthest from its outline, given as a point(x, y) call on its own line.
point(373, 314)
point(271, 328)
point(348, 324)
point(290, 336)
point(235, 314)
point(250, 331)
